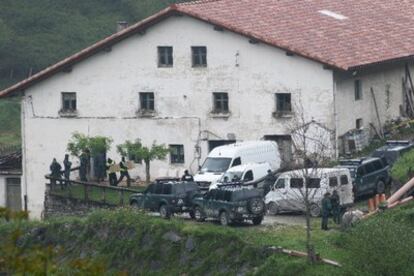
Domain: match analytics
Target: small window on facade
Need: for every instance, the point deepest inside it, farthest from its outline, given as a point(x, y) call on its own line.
point(333, 181)
point(283, 102)
point(199, 56)
point(221, 102)
point(344, 180)
point(358, 123)
point(68, 101)
point(358, 90)
point(146, 100)
point(165, 56)
point(314, 183)
point(296, 183)
point(177, 154)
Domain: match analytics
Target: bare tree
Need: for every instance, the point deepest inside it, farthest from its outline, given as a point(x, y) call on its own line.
point(313, 148)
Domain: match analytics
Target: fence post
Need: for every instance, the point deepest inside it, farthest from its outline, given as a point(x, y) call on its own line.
point(122, 197)
point(103, 194)
point(86, 192)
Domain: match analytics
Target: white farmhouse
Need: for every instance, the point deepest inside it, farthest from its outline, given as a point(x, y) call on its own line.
point(205, 73)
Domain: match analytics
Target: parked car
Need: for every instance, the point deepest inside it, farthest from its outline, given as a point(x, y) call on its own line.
point(220, 159)
point(287, 195)
point(246, 174)
point(369, 175)
point(166, 197)
point(393, 150)
point(230, 204)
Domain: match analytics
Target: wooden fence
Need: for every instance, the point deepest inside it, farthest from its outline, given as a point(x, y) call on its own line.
point(90, 192)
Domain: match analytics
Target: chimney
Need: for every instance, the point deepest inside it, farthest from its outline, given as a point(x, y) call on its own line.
point(121, 25)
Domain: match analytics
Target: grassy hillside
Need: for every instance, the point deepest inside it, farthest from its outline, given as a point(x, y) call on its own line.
point(36, 34)
point(125, 241)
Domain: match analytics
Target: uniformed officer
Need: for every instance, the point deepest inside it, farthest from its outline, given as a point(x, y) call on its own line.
point(55, 172)
point(83, 167)
point(336, 209)
point(124, 172)
point(111, 174)
point(187, 177)
point(326, 210)
point(67, 165)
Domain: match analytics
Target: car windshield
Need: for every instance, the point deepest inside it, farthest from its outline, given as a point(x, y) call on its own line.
point(231, 176)
point(216, 165)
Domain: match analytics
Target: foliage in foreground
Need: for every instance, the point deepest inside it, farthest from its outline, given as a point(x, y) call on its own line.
point(403, 167)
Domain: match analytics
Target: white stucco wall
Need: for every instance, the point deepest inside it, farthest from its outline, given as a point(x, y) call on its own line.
point(381, 80)
point(108, 86)
point(3, 191)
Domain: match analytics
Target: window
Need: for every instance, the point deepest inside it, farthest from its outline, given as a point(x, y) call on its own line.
point(150, 189)
point(236, 162)
point(248, 176)
point(177, 154)
point(344, 180)
point(333, 181)
point(147, 101)
point(158, 188)
point(68, 101)
point(358, 123)
point(296, 183)
point(221, 102)
point(167, 189)
point(280, 184)
point(313, 183)
point(369, 168)
point(199, 56)
point(378, 165)
point(358, 89)
point(283, 102)
point(165, 56)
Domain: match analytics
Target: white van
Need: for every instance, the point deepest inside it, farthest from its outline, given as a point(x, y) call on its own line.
point(246, 173)
point(222, 158)
point(287, 192)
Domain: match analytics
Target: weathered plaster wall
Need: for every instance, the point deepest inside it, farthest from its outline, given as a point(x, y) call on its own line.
point(108, 84)
point(3, 191)
point(382, 79)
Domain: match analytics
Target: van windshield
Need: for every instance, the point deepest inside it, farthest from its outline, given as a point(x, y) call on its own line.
point(216, 165)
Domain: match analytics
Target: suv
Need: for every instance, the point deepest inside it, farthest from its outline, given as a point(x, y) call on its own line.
point(393, 150)
point(369, 175)
point(229, 205)
point(167, 198)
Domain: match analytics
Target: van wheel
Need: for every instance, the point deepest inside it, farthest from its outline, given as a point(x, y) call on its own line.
point(314, 210)
point(134, 204)
point(198, 214)
point(256, 206)
point(380, 187)
point(224, 218)
point(272, 208)
point(164, 212)
point(257, 220)
point(191, 213)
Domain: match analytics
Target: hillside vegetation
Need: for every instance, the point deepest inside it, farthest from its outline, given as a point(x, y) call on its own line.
point(36, 34)
point(126, 242)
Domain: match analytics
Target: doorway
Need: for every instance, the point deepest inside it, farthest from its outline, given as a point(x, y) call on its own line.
point(14, 194)
point(284, 143)
point(217, 143)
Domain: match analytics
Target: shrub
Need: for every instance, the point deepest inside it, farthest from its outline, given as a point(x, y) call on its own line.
point(403, 167)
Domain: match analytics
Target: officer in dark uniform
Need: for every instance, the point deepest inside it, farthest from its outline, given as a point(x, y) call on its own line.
point(67, 165)
point(187, 177)
point(55, 172)
point(124, 172)
point(268, 182)
point(111, 175)
point(326, 210)
point(336, 208)
point(83, 168)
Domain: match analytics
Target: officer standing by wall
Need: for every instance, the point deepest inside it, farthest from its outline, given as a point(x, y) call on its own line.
point(326, 210)
point(55, 172)
point(67, 165)
point(124, 172)
point(83, 168)
point(336, 208)
point(111, 174)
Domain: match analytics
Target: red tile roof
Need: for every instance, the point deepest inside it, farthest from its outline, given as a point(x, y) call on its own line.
point(343, 34)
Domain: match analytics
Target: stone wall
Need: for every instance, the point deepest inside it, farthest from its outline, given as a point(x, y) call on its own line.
point(62, 206)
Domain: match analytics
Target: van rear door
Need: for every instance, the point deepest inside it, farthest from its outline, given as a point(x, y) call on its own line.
point(345, 189)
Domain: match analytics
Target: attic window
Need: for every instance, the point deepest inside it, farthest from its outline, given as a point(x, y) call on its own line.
point(333, 14)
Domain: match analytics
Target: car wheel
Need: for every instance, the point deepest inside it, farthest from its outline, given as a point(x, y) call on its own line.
point(134, 204)
point(314, 210)
point(257, 220)
point(224, 218)
point(256, 206)
point(164, 212)
point(198, 214)
point(380, 187)
point(272, 208)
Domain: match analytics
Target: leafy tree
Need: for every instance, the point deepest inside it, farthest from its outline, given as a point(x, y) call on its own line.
point(95, 145)
point(140, 152)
